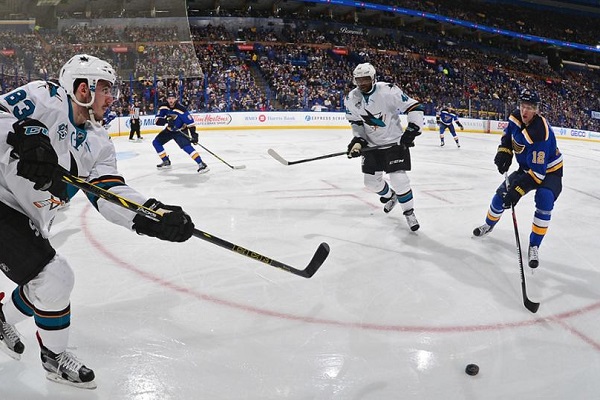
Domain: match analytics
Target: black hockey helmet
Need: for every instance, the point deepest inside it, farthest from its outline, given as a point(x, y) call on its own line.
point(529, 96)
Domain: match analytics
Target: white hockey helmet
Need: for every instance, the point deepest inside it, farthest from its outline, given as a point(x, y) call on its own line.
point(362, 70)
point(91, 69)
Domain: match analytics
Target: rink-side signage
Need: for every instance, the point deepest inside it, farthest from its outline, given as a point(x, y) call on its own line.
point(316, 120)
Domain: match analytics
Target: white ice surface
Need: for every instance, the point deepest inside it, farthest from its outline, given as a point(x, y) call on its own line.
point(390, 315)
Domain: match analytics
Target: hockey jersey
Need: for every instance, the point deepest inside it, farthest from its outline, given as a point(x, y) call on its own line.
point(85, 150)
point(446, 117)
point(176, 118)
point(534, 146)
point(377, 112)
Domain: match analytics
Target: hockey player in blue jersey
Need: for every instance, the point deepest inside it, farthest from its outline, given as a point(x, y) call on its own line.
point(176, 120)
point(531, 138)
point(445, 120)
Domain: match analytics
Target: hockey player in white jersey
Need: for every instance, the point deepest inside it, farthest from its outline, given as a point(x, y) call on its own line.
point(372, 109)
point(45, 126)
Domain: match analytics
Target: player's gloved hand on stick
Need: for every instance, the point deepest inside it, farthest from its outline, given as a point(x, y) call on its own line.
point(409, 135)
point(38, 161)
point(171, 121)
point(517, 189)
point(175, 225)
point(462, 128)
point(503, 159)
point(193, 135)
point(355, 146)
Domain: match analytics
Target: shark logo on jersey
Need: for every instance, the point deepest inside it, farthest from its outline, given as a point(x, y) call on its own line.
point(63, 131)
point(373, 120)
point(78, 138)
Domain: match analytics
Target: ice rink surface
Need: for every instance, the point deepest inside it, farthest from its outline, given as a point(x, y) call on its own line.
point(391, 314)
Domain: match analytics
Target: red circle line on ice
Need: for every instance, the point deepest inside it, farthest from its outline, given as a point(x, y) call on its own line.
point(557, 318)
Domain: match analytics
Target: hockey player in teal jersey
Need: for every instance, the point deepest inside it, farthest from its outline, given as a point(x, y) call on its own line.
point(531, 138)
point(176, 120)
point(445, 120)
point(372, 109)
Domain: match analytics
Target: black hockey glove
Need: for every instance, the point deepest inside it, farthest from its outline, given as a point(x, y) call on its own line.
point(174, 225)
point(409, 135)
point(355, 146)
point(520, 186)
point(503, 159)
point(462, 128)
point(193, 135)
point(171, 121)
point(38, 161)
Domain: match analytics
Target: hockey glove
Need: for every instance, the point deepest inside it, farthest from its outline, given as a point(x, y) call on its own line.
point(356, 146)
point(174, 225)
point(520, 186)
point(462, 128)
point(38, 161)
point(503, 159)
point(193, 135)
point(409, 135)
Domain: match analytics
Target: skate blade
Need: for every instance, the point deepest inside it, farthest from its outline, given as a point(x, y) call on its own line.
point(14, 355)
point(58, 379)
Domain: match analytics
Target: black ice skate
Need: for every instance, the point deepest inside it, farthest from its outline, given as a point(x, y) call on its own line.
point(533, 256)
point(165, 164)
point(10, 343)
point(390, 203)
point(66, 369)
point(482, 230)
point(203, 168)
point(411, 219)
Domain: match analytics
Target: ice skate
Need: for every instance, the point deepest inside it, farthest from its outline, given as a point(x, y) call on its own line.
point(132, 140)
point(66, 369)
point(457, 144)
point(10, 343)
point(533, 256)
point(411, 219)
point(482, 230)
point(442, 143)
point(203, 168)
point(165, 164)
point(389, 203)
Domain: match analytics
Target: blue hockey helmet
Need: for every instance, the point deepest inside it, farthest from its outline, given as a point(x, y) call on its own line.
point(171, 94)
point(529, 96)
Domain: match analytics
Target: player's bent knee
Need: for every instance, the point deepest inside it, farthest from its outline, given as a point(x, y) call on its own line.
point(51, 289)
point(374, 182)
point(400, 181)
point(544, 199)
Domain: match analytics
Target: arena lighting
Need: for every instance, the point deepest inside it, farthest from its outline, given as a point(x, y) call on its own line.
point(48, 2)
point(448, 20)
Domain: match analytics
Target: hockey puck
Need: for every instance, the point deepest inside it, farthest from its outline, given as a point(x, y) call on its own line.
point(472, 369)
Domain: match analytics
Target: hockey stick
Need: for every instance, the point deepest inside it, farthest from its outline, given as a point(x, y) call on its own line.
point(282, 160)
point(214, 155)
point(530, 305)
point(314, 264)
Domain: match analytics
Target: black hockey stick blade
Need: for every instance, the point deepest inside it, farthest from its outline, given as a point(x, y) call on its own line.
point(315, 263)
